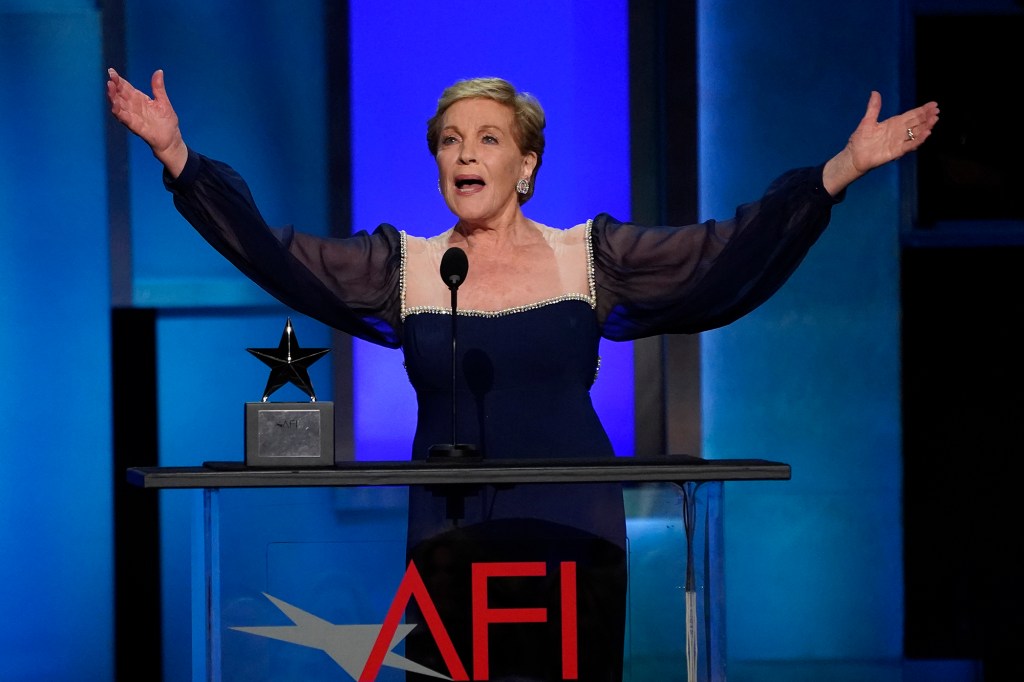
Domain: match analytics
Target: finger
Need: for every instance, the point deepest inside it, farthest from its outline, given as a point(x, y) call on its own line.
point(118, 87)
point(159, 91)
point(874, 108)
point(920, 120)
point(928, 114)
point(113, 83)
point(114, 93)
point(925, 113)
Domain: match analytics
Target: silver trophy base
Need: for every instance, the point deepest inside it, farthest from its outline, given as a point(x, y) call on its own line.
point(289, 435)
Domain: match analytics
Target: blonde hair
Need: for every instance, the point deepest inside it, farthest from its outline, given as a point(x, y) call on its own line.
point(527, 116)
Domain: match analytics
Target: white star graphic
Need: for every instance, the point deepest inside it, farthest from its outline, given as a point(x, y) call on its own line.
point(348, 645)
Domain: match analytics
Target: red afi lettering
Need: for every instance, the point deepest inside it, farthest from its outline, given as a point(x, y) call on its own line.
point(412, 586)
point(484, 616)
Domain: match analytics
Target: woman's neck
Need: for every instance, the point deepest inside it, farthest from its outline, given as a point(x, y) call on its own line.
point(493, 237)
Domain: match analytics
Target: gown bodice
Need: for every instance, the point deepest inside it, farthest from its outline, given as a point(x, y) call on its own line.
point(522, 381)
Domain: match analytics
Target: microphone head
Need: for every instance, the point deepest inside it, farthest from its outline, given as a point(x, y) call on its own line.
point(454, 266)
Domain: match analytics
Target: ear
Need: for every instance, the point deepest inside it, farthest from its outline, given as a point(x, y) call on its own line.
point(529, 164)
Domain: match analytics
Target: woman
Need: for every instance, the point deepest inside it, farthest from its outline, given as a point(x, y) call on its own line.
point(532, 310)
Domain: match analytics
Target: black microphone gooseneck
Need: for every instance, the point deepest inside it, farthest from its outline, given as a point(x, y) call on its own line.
point(454, 266)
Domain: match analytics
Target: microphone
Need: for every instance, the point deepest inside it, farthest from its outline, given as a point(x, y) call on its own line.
point(454, 266)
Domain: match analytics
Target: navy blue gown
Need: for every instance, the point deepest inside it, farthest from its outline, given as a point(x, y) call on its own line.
point(523, 381)
point(523, 391)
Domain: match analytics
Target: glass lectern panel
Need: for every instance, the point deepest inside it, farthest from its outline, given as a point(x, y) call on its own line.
point(312, 584)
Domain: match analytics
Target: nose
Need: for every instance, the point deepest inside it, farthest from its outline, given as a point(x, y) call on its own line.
point(467, 152)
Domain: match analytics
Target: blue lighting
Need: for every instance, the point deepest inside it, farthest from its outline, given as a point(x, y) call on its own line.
point(575, 60)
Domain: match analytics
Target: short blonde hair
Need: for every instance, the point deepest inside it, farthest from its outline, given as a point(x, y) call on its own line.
point(527, 116)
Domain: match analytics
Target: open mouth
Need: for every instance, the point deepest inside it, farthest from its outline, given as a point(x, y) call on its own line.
point(462, 183)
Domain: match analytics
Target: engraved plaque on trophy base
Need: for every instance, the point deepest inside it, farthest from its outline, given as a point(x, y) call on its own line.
point(289, 434)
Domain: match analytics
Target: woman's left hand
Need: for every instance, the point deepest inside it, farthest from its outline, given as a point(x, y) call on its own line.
point(875, 143)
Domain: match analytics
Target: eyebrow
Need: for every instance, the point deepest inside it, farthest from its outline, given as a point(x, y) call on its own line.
point(486, 126)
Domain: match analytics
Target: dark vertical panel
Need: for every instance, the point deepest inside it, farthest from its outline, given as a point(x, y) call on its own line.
point(646, 191)
point(963, 397)
point(959, 188)
point(962, 334)
point(683, 394)
point(683, 377)
point(663, 119)
point(119, 217)
point(339, 193)
point(965, 172)
point(137, 613)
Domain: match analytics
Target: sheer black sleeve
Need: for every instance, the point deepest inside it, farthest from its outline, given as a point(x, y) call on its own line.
point(351, 284)
point(659, 280)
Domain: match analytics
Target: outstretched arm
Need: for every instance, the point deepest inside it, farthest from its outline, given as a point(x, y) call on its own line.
point(875, 143)
point(152, 119)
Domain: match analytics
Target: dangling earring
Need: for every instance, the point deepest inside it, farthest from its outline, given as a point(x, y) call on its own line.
point(439, 187)
point(523, 186)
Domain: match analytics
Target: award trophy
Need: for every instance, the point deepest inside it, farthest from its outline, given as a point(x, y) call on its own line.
point(289, 435)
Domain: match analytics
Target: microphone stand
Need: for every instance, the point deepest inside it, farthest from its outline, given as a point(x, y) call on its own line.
point(454, 450)
point(455, 318)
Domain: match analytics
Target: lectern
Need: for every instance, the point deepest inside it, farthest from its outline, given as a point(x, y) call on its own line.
point(301, 574)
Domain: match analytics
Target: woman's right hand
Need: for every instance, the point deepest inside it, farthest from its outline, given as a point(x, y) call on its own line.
point(152, 119)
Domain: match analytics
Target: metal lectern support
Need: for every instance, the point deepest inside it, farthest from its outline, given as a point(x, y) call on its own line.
point(206, 644)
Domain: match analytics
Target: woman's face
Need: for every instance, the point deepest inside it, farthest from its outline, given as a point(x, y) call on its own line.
point(479, 162)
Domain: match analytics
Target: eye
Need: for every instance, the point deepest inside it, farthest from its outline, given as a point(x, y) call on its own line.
point(490, 139)
point(448, 139)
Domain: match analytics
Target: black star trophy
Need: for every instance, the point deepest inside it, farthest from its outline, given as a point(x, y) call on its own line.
point(284, 434)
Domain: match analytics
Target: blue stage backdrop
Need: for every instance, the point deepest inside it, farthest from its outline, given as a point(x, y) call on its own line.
point(55, 462)
point(812, 377)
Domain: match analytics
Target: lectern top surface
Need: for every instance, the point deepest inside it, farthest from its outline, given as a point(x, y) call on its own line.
point(668, 468)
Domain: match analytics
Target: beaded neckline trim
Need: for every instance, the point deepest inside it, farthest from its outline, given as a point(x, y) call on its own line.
point(416, 310)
